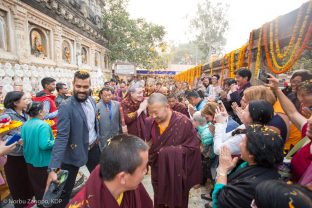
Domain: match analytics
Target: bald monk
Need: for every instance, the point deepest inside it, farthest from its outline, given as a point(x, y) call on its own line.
point(174, 154)
point(177, 106)
point(116, 182)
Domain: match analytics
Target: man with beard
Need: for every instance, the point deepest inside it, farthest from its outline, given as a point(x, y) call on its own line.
point(76, 142)
point(174, 155)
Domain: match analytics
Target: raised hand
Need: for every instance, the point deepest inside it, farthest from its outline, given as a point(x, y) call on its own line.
point(226, 162)
point(273, 84)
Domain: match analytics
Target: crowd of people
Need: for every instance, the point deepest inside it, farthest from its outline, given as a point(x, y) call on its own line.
point(251, 145)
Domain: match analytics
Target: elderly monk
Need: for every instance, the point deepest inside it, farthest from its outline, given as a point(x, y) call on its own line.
point(177, 106)
point(116, 182)
point(134, 110)
point(174, 154)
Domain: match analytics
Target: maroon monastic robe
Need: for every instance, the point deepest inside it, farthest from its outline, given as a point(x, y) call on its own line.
point(135, 125)
point(96, 195)
point(181, 108)
point(175, 161)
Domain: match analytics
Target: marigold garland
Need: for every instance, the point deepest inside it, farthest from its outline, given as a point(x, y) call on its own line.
point(189, 75)
point(297, 45)
point(292, 39)
point(241, 56)
point(276, 68)
point(250, 48)
point(258, 54)
point(232, 65)
point(303, 46)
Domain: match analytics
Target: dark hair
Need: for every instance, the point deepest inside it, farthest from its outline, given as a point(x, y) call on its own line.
point(11, 98)
point(244, 72)
point(303, 73)
point(34, 108)
point(265, 144)
point(191, 93)
point(122, 153)
point(46, 81)
point(217, 76)
point(106, 89)
point(81, 74)
point(203, 78)
point(229, 81)
point(261, 111)
point(106, 83)
point(158, 83)
point(278, 194)
point(60, 86)
point(114, 80)
point(201, 94)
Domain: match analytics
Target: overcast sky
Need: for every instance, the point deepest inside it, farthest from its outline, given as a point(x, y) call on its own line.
point(243, 15)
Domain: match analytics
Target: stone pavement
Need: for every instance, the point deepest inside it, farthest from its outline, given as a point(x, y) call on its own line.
point(194, 198)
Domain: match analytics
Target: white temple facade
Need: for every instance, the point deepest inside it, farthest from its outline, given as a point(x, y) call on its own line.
point(40, 38)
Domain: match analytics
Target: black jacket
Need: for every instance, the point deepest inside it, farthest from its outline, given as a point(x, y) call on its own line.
point(240, 190)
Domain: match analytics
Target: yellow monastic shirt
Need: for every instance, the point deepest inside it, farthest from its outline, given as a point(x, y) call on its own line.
point(119, 200)
point(294, 133)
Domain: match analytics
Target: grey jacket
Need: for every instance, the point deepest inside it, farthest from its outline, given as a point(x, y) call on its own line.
point(72, 140)
point(108, 127)
point(13, 115)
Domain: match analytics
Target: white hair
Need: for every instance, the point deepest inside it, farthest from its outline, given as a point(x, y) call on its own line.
point(199, 118)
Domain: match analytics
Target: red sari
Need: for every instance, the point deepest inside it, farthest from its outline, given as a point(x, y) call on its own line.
point(96, 195)
point(175, 161)
point(135, 124)
point(302, 159)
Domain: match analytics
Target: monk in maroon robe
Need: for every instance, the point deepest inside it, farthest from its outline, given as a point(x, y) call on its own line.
point(116, 182)
point(174, 154)
point(134, 110)
point(177, 106)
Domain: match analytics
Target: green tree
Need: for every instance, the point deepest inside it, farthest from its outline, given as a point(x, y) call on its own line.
point(209, 26)
point(132, 40)
point(186, 53)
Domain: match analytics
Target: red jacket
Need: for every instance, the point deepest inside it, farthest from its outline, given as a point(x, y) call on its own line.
point(51, 99)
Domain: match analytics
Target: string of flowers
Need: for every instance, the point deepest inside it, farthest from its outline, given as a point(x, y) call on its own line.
point(295, 50)
point(293, 36)
point(232, 65)
point(297, 55)
point(250, 48)
point(241, 56)
point(189, 75)
point(258, 54)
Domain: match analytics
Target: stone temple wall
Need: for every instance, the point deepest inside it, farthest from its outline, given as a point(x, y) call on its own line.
point(49, 38)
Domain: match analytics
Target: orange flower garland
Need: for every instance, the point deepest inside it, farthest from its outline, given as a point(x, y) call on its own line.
point(258, 54)
point(232, 66)
point(297, 43)
point(189, 75)
point(286, 68)
point(292, 39)
point(241, 56)
point(269, 52)
point(250, 48)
